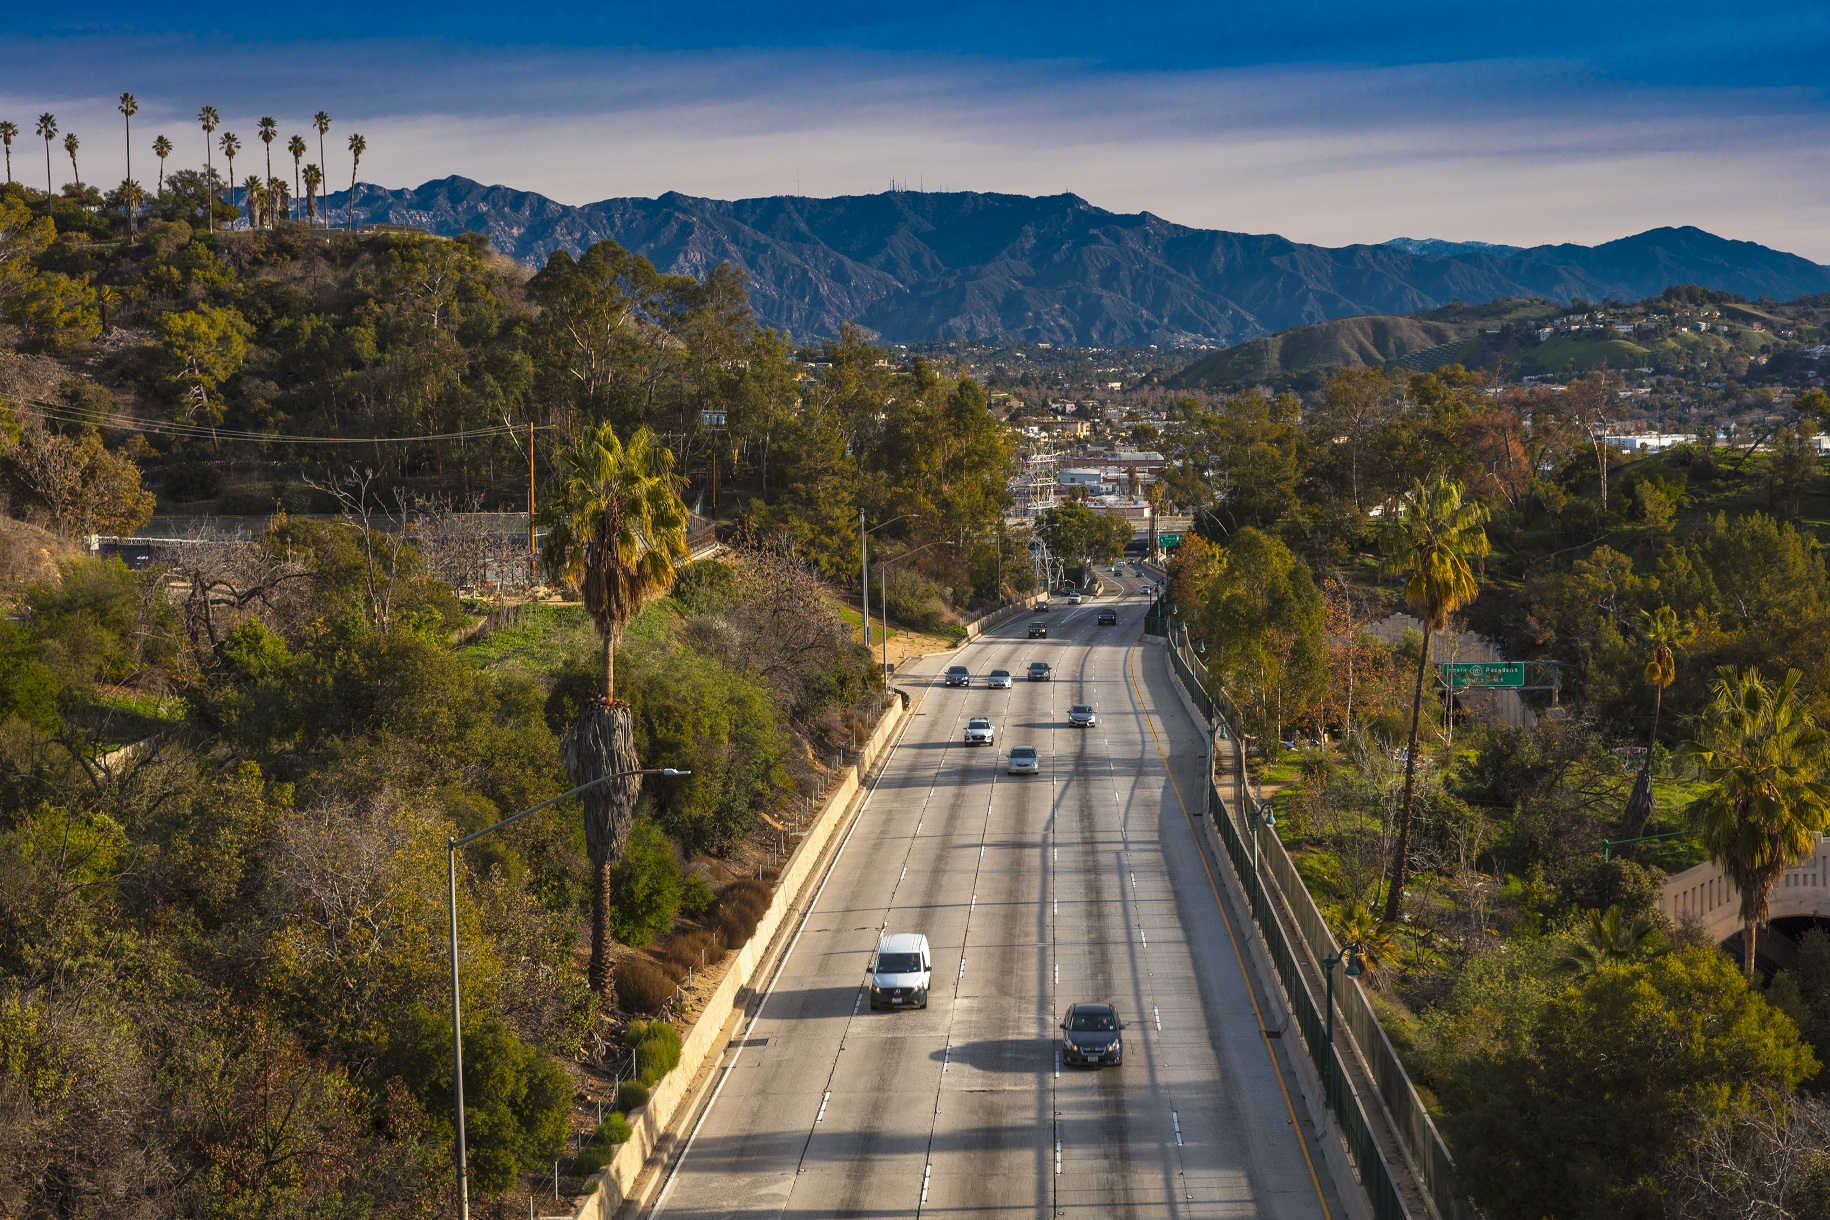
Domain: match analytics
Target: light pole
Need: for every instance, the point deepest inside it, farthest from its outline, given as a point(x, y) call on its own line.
point(883, 589)
point(452, 847)
point(1350, 953)
point(864, 568)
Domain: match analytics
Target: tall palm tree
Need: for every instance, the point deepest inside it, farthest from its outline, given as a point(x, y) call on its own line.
point(162, 148)
point(279, 197)
point(269, 132)
point(314, 178)
point(322, 123)
point(296, 146)
point(254, 191)
point(615, 529)
point(71, 144)
point(1765, 763)
point(47, 127)
point(1429, 543)
point(129, 105)
point(357, 146)
point(1664, 633)
point(209, 119)
point(9, 131)
point(230, 144)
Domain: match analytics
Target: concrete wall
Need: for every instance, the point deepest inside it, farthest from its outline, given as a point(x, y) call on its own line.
point(652, 1125)
point(991, 618)
point(1704, 895)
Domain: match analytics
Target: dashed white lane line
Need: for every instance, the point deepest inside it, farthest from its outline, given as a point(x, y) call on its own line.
point(1176, 1119)
point(821, 1116)
point(1159, 1018)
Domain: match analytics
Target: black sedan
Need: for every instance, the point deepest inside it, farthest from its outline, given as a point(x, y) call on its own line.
point(1092, 1034)
point(1108, 618)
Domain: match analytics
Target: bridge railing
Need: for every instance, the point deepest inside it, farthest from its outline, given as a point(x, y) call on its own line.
point(1276, 875)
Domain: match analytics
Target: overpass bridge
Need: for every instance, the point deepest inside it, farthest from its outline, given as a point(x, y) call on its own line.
point(1705, 895)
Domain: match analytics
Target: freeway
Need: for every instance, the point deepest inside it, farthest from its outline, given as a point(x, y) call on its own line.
point(1082, 883)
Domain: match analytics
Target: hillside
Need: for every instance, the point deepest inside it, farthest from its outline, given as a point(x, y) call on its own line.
point(921, 267)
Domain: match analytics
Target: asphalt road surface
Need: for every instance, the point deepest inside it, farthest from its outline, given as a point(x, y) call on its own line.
point(1082, 883)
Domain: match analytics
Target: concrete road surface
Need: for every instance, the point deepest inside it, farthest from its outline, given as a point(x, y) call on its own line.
point(1082, 883)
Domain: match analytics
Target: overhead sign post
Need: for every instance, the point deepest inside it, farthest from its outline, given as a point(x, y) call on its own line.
point(1467, 675)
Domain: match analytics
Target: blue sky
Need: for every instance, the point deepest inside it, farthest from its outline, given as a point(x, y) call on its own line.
point(1326, 121)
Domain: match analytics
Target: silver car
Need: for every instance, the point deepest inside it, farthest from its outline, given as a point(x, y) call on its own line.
point(1081, 716)
point(999, 679)
point(1023, 761)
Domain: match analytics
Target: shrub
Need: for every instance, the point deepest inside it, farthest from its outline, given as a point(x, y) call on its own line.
point(642, 986)
point(740, 907)
point(601, 1146)
point(696, 894)
point(631, 1095)
point(657, 1049)
point(693, 950)
point(645, 887)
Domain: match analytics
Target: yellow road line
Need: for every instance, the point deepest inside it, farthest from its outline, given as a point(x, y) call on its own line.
point(1295, 1123)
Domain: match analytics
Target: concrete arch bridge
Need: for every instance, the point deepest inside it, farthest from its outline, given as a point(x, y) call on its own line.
point(1704, 895)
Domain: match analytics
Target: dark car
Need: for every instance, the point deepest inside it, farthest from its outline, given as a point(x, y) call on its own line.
point(1038, 631)
point(1038, 671)
point(1092, 1034)
point(1108, 618)
point(959, 675)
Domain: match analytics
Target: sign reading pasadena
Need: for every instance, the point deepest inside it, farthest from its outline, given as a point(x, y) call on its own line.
point(1465, 674)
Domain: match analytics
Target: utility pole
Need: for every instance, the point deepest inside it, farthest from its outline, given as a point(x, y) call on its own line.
point(532, 547)
point(864, 573)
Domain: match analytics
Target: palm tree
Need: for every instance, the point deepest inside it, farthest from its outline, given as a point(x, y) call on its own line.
point(296, 146)
point(615, 529)
point(314, 178)
point(71, 144)
point(357, 146)
point(231, 144)
point(209, 119)
point(1609, 937)
point(269, 132)
point(8, 132)
point(162, 148)
point(1765, 762)
point(129, 106)
point(321, 123)
point(279, 197)
point(255, 192)
point(47, 127)
point(1665, 633)
point(1429, 543)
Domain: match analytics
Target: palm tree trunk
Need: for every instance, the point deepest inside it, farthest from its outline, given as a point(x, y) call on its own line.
point(1401, 852)
point(599, 745)
point(602, 976)
point(610, 666)
point(1747, 948)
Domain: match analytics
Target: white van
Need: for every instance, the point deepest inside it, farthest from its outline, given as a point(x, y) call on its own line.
point(901, 970)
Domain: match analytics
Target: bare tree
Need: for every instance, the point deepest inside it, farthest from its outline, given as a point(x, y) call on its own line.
point(1770, 1163)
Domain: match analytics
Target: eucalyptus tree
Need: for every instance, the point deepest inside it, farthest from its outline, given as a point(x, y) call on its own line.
point(162, 148)
point(1429, 543)
point(208, 119)
point(616, 528)
point(357, 146)
point(8, 132)
point(129, 105)
point(296, 146)
point(47, 128)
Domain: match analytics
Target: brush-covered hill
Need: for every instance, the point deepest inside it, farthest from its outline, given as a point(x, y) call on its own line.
point(966, 265)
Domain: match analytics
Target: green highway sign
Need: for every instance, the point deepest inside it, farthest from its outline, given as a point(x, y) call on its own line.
point(1461, 675)
point(1169, 540)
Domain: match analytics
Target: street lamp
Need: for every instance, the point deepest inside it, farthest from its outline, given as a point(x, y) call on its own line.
point(864, 567)
point(1350, 953)
point(1262, 815)
point(457, 1030)
point(883, 588)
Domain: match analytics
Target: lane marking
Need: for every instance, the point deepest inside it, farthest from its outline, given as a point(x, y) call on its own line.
point(821, 1116)
point(1159, 1018)
point(1227, 919)
point(1057, 1158)
point(1176, 1119)
point(926, 1170)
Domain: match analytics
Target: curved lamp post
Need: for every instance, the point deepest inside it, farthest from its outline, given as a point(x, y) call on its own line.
point(1349, 953)
point(864, 567)
point(457, 1029)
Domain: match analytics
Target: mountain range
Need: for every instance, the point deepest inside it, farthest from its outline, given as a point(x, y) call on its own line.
point(921, 267)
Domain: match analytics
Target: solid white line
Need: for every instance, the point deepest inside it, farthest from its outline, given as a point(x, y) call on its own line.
point(673, 1175)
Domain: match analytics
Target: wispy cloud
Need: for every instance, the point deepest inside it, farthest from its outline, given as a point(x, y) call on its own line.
point(1505, 150)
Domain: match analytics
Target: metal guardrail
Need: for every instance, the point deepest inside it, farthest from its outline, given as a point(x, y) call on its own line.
point(1422, 1142)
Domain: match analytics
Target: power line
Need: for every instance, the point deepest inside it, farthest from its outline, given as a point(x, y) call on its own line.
point(63, 413)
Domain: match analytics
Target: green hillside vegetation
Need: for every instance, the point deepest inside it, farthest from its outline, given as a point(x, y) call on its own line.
point(1348, 343)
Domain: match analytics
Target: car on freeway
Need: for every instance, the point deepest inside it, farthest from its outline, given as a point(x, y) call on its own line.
point(1038, 631)
point(1023, 761)
point(958, 675)
point(1108, 618)
point(1092, 1034)
point(979, 731)
point(900, 971)
point(1042, 605)
point(999, 679)
point(1148, 591)
point(1082, 716)
point(1039, 671)
point(1073, 597)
